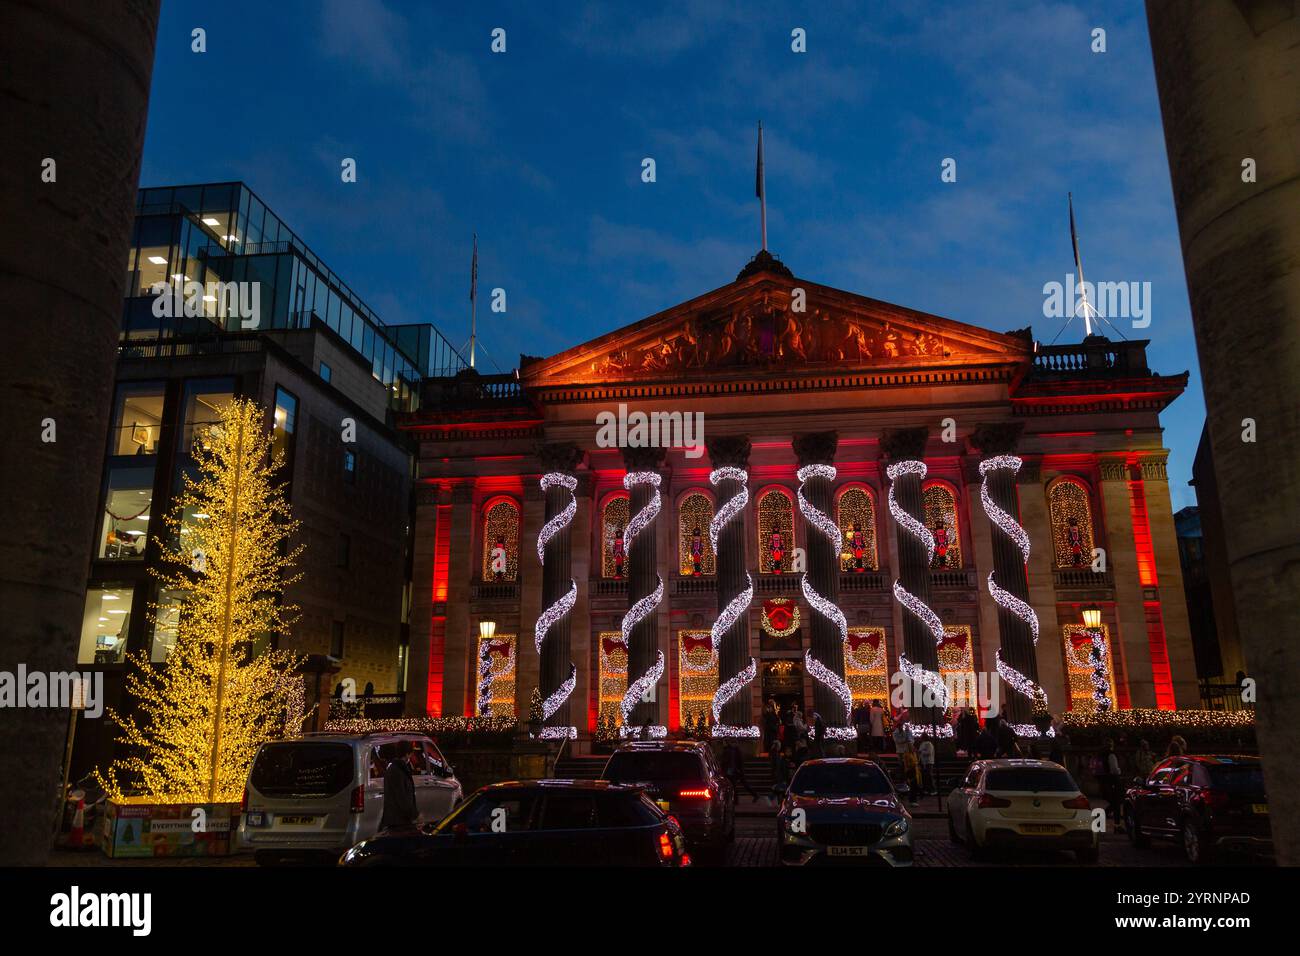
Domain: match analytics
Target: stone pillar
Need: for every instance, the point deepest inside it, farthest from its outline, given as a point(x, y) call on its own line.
point(556, 665)
point(825, 640)
point(460, 648)
point(732, 575)
point(1042, 586)
point(981, 536)
point(528, 675)
point(900, 445)
point(642, 580)
point(1169, 577)
point(423, 547)
point(1016, 634)
point(580, 636)
point(1121, 558)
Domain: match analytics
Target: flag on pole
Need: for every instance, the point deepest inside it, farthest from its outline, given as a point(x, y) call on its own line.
point(1074, 237)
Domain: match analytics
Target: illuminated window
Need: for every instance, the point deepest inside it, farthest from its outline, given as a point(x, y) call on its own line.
point(940, 506)
point(613, 676)
point(1071, 515)
point(1080, 666)
point(124, 531)
point(856, 513)
point(137, 420)
point(494, 694)
point(864, 665)
point(104, 625)
point(694, 550)
point(957, 665)
point(501, 540)
point(613, 521)
point(697, 675)
point(166, 615)
point(775, 531)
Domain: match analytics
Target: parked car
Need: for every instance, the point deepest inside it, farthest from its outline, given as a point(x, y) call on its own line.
point(1022, 803)
point(684, 780)
point(843, 810)
point(537, 823)
point(315, 796)
point(1209, 803)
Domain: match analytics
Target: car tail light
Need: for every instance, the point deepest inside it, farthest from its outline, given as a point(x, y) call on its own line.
point(704, 794)
point(358, 800)
point(1078, 803)
point(665, 845)
point(986, 801)
point(243, 804)
point(1215, 799)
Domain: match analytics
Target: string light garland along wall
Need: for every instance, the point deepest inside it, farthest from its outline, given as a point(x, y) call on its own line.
point(829, 530)
point(612, 668)
point(496, 676)
point(643, 608)
point(1088, 683)
point(729, 511)
point(929, 679)
point(552, 614)
point(1011, 528)
point(697, 676)
point(957, 666)
point(865, 668)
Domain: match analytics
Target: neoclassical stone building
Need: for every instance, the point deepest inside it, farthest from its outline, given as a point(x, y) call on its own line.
point(791, 377)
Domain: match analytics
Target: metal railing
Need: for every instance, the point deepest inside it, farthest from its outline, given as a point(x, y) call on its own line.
point(1216, 695)
point(1085, 577)
point(494, 591)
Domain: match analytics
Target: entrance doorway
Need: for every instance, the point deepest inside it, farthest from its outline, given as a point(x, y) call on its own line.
point(783, 681)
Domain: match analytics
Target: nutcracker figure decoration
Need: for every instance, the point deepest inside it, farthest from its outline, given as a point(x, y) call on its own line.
point(1074, 538)
point(776, 551)
point(858, 545)
point(499, 559)
point(620, 556)
point(940, 544)
point(697, 551)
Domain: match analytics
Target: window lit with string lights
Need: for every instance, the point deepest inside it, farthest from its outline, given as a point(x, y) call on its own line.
point(939, 502)
point(864, 665)
point(855, 511)
point(494, 680)
point(775, 531)
point(697, 676)
point(612, 664)
point(957, 665)
point(500, 540)
point(1070, 507)
point(1089, 677)
point(694, 549)
point(613, 521)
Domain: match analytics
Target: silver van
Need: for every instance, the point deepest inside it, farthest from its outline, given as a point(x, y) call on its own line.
point(315, 796)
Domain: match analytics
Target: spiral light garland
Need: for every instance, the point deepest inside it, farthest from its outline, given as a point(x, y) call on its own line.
point(730, 510)
point(644, 607)
point(553, 614)
point(1005, 599)
point(822, 605)
point(1099, 683)
point(486, 677)
point(929, 679)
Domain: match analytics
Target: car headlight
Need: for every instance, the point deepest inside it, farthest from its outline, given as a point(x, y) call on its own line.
point(897, 828)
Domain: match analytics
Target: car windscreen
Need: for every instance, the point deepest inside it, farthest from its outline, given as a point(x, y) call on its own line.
point(649, 765)
point(302, 769)
point(1030, 780)
point(1237, 778)
point(831, 780)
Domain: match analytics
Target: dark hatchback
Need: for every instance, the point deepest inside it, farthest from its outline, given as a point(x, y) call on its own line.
point(843, 810)
point(1207, 803)
point(685, 781)
point(536, 823)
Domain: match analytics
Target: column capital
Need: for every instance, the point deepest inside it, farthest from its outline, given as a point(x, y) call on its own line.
point(1153, 468)
point(728, 451)
point(1031, 472)
point(561, 456)
point(643, 459)
point(1113, 469)
point(816, 448)
point(904, 444)
point(997, 438)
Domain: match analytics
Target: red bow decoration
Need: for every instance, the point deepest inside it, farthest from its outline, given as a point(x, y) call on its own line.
point(691, 642)
point(500, 648)
point(612, 645)
point(859, 638)
point(779, 613)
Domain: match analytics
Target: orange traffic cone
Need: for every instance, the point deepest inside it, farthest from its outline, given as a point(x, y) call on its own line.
point(76, 836)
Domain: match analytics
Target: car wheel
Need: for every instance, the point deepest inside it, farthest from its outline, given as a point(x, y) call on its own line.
point(1194, 843)
point(1089, 855)
point(1135, 834)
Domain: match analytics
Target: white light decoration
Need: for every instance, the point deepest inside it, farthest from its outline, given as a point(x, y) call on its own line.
point(730, 510)
point(931, 680)
point(552, 615)
point(822, 605)
point(1100, 685)
point(642, 609)
point(486, 677)
point(1008, 525)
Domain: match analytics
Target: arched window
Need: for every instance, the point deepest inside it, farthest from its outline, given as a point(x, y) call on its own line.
point(613, 676)
point(1071, 515)
point(494, 678)
point(500, 540)
point(613, 522)
point(855, 509)
point(940, 505)
point(957, 665)
point(694, 550)
point(1081, 665)
point(697, 676)
point(775, 531)
point(864, 664)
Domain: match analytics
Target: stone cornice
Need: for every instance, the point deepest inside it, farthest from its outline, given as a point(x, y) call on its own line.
point(1113, 470)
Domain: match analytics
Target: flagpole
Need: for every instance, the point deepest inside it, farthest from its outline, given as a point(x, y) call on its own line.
point(762, 188)
point(473, 302)
point(1078, 266)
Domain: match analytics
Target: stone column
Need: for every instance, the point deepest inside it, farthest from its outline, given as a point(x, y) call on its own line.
point(642, 580)
point(556, 665)
point(528, 664)
point(1016, 635)
point(900, 445)
point(732, 451)
point(825, 640)
point(1042, 586)
point(1121, 558)
point(423, 547)
point(981, 536)
point(1169, 577)
point(580, 636)
point(455, 699)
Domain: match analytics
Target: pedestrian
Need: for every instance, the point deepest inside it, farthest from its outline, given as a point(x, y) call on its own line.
point(1144, 759)
point(876, 719)
point(818, 746)
point(787, 726)
point(400, 809)
point(985, 745)
point(1005, 735)
point(1177, 746)
point(1110, 779)
point(733, 765)
point(968, 729)
point(925, 753)
point(771, 724)
point(780, 765)
point(911, 770)
point(902, 738)
point(861, 720)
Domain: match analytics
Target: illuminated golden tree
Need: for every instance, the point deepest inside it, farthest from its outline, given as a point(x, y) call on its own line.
point(219, 695)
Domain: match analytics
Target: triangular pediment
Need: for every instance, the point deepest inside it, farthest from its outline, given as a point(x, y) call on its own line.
point(756, 324)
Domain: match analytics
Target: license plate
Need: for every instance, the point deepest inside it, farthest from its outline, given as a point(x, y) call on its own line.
point(847, 851)
point(1259, 808)
point(256, 819)
point(296, 821)
point(1037, 828)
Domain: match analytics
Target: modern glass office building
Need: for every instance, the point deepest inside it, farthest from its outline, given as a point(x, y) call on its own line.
point(193, 241)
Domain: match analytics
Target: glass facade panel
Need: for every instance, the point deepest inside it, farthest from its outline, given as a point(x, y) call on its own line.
point(203, 403)
point(137, 420)
point(124, 530)
point(284, 423)
point(166, 623)
point(104, 625)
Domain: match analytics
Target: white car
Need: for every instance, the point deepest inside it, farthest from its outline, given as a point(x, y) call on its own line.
point(1022, 803)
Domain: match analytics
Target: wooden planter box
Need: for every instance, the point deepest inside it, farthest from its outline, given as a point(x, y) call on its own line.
point(137, 828)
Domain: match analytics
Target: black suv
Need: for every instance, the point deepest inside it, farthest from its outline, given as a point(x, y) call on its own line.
point(685, 781)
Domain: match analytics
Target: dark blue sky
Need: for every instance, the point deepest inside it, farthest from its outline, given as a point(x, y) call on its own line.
point(539, 150)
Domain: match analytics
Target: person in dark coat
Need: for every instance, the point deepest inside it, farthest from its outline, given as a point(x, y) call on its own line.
point(400, 809)
point(817, 747)
point(733, 765)
point(968, 729)
point(771, 724)
point(985, 745)
point(780, 772)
